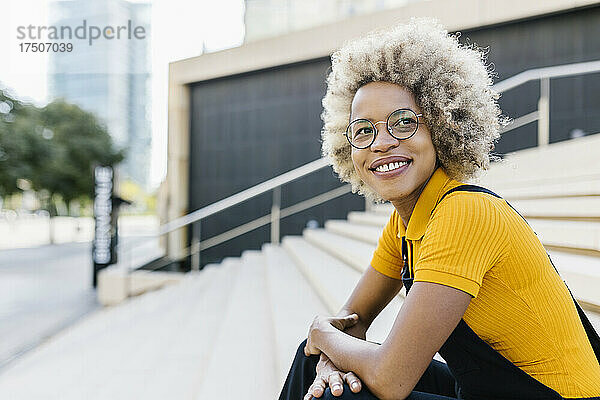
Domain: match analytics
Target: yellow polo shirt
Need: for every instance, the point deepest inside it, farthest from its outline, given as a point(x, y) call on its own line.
point(477, 243)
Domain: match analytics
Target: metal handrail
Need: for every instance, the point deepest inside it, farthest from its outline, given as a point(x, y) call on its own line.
point(262, 221)
point(244, 195)
point(520, 121)
point(273, 184)
point(557, 71)
point(542, 115)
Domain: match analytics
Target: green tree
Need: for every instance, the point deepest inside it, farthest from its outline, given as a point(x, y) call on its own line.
point(23, 150)
point(78, 142)
point(55, 148)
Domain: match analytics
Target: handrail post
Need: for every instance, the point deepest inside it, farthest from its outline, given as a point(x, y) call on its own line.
point(195, 247)
point(275, 215)
point(544, 113)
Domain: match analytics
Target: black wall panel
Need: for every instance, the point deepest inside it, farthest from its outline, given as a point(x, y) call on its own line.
point(542, 42)
point(249, 128)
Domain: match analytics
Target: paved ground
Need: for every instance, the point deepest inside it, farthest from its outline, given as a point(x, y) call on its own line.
point(42, 291)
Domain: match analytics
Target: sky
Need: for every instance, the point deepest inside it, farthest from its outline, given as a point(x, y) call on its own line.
point(180, 28)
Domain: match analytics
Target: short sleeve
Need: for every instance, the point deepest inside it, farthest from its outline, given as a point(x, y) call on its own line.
point(387, 257)
point(465, 237)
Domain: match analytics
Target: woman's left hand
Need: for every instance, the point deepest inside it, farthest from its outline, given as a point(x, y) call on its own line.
point(322, 324)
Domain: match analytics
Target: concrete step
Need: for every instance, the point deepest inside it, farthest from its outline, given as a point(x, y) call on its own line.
point(531, 167)
point(355, 253)
point(384, 208)
point(334, 281)
point(166, 358)
point(294, 304)
point(586, 187)
point(243, 358)
point(368, 218)
point(583, 235)
point(582, 275)
point(569, 207)
point(366, 233)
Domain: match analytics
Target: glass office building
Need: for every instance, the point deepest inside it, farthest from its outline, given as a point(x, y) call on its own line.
point(109, 77)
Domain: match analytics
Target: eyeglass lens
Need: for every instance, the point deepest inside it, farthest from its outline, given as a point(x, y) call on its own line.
point(401, 124)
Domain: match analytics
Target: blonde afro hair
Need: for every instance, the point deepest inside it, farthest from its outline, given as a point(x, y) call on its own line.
point(451, 84)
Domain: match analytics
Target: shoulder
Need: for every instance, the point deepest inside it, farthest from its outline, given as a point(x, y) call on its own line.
point(471, 202)
point(476, 210)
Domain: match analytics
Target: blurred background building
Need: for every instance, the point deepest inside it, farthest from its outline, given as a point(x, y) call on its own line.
point(111, 78)
point(267, 18)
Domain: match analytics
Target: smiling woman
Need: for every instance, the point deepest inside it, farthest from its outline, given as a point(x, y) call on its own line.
point(396, 173)
point(409, 115)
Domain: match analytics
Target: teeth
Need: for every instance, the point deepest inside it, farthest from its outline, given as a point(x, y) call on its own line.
point(390, 166)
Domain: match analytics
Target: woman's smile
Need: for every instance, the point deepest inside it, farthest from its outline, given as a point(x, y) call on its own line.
point(391, 169)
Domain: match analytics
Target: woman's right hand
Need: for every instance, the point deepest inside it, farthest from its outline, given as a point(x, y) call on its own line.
point(328, 374)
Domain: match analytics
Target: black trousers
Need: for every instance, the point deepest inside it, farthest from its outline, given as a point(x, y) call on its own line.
point(437, 383)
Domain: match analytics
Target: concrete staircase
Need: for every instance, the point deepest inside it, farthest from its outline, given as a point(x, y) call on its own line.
point(231, 330)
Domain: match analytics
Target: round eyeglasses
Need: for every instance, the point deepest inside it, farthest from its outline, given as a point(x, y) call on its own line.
point(402, 124)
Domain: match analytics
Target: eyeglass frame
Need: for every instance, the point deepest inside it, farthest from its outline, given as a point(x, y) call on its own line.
point(387, 125)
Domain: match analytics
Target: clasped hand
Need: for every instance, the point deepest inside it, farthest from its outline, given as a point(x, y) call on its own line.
point(327, 372)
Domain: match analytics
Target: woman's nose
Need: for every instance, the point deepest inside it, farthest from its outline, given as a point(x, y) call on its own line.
point(383, 140)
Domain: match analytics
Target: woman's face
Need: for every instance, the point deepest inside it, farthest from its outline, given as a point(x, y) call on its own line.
point(375, 101)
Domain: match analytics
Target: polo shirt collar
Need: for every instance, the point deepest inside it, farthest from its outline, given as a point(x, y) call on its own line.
point(431, 194)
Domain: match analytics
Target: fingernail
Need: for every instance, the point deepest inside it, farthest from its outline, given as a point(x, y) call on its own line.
point(354, 385)
point(336, 387)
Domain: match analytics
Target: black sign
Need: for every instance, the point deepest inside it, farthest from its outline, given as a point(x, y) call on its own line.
point(103, 247)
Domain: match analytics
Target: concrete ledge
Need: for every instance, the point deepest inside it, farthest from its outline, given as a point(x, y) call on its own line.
point(322, 40)
point(115, 285)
